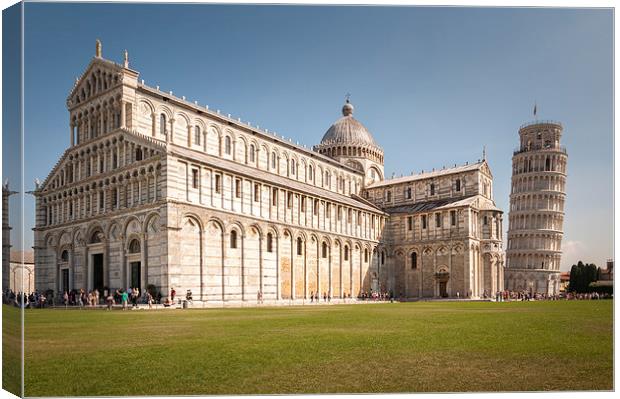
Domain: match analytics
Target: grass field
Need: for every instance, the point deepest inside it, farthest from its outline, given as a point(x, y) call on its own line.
point(11, 350)
point(411, 347)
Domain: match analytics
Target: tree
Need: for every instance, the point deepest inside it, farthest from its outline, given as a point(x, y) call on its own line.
point(581, 275)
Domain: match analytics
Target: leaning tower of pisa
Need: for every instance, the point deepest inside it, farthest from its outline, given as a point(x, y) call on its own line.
point(536, 209)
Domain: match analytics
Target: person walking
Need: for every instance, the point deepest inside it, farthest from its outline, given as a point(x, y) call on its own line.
point(65, 297)
point(134, 299)
point(124, 298)
point(110, 300)
point(149, 299)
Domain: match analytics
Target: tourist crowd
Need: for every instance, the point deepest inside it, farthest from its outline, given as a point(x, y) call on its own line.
point(507, 295)
point(377, 296)
point(110, 298)
point(315, 297)
point(81, 298)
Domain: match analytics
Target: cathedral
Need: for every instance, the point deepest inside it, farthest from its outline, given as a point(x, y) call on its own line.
point(157, 192)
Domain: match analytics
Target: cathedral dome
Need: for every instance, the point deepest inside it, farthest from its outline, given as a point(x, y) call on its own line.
point(348, 130)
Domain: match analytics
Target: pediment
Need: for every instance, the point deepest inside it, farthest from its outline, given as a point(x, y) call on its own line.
point(485, 169)
point(100, 76)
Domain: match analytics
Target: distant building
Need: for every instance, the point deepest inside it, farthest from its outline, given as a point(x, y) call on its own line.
point(564, 281)
point(608, 273)
point(21, 271)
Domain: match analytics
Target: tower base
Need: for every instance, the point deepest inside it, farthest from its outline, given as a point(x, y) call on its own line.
point(534, 281)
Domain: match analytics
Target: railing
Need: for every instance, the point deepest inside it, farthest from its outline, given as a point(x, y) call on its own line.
point(539, 147)
point(540, 122)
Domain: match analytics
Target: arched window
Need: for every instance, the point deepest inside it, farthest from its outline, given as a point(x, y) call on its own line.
point(324, 250)
point(233, 239)
point(252, 152)
point(547, 164)
point(389, 196)
point(414, 260)
point(162, 124)
point(346, 252)
point(326, 182)
point(227, 145)
point(458, 184)
point(310, 173)
point(134, 246)
point(96, 237)
point(365, 255)
point(197, 135)
point(299, 246)
point(293, 167)
point(273, 160)
point(432, 188)
point(382, 258)
point(64, 256)
point(139, 154)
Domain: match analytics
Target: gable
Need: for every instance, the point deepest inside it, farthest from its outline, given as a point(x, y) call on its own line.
point(100, 76)
point(484, 168)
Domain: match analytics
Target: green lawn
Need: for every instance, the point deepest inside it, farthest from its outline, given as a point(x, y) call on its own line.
point(412, 347)
point(11, 350)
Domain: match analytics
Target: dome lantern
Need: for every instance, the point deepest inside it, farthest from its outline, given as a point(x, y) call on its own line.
point(347, 108)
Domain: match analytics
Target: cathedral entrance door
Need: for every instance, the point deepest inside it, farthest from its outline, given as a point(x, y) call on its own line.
point(65, 281)
point(136, 272)
point(443, 289)
point(98, 273)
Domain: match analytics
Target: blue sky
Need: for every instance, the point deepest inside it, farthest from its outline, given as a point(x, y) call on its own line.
point(433, 84)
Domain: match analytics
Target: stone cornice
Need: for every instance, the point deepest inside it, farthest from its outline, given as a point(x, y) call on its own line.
point(107, 214)
point(247, 128)
point(274, 222)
